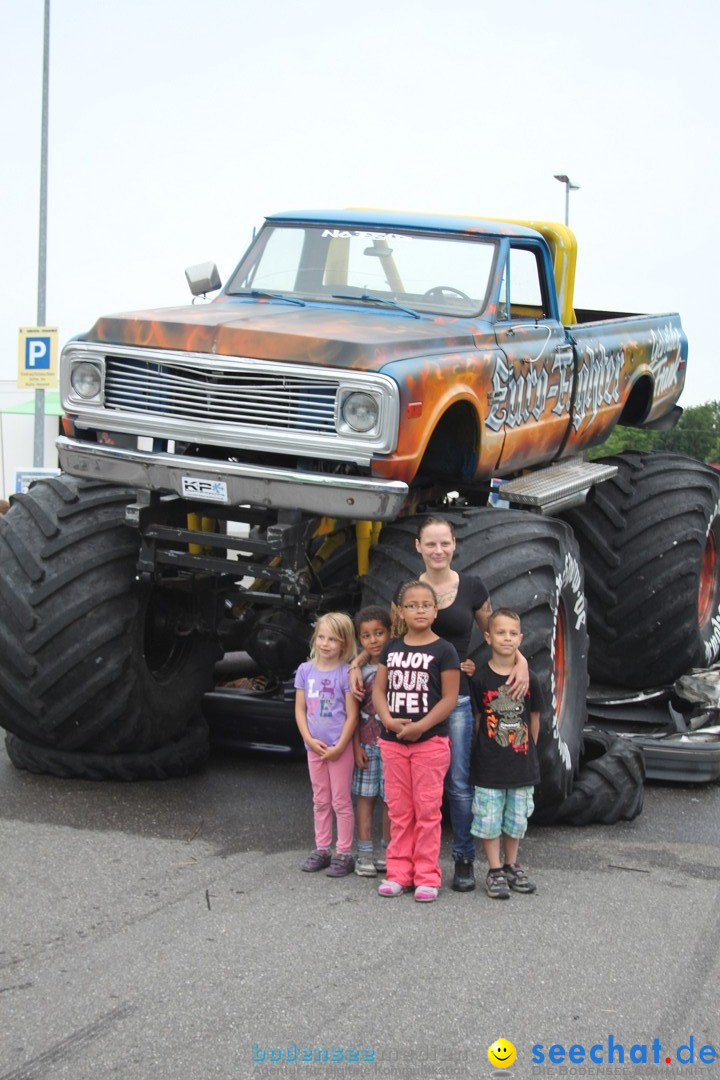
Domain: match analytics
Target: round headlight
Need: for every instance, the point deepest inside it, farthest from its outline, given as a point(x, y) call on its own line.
point(360, 411)
point(85, 380)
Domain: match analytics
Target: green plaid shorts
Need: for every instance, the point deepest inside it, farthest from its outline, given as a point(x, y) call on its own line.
point(501, 810)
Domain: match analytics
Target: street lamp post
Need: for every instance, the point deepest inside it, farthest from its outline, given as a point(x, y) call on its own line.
point(569, 186)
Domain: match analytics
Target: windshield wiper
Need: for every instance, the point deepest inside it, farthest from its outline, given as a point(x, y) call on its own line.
point(375, 300)
point(260, 294)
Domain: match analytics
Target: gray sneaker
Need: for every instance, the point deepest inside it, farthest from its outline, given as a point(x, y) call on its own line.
point(496, 886)
point(365, 867)
point(518, 880)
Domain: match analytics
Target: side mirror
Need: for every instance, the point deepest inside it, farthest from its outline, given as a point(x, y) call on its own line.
point(203, 278)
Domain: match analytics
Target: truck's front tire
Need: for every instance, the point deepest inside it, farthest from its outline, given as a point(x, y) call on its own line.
point(650, 543)
point(91, 658)
point(531, 565)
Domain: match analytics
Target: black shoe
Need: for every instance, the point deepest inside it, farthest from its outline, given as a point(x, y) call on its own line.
point(464, 879)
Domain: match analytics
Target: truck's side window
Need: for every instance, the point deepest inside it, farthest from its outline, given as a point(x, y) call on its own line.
point(526, 299)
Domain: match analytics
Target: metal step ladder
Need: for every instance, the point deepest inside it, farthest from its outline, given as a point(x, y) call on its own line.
point(557, 487)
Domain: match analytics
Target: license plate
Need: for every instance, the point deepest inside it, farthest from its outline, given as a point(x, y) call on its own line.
point(198, 487)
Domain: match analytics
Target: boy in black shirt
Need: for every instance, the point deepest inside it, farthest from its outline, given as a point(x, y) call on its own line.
point(504, 767)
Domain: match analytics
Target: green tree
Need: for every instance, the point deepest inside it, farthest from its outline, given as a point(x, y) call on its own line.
point(697, 435)
point(625, 438)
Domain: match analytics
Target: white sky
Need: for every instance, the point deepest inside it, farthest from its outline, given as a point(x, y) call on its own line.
point(176, 125)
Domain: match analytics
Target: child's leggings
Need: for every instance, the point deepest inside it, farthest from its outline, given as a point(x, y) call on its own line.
point(414, 775)
point(331, 784)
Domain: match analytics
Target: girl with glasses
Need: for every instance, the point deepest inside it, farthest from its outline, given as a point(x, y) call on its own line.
point(416, 689)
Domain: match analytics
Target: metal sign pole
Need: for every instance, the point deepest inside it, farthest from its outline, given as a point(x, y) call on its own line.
point(39, 433)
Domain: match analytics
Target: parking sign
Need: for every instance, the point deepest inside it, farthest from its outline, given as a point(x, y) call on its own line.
point(37, 357)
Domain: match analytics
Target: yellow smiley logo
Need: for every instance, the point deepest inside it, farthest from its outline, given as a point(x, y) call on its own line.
point(501, 1054)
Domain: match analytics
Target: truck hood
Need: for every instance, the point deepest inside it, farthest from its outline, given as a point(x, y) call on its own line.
point(364, 338)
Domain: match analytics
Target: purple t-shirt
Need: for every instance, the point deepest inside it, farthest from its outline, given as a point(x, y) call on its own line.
point(324, 699)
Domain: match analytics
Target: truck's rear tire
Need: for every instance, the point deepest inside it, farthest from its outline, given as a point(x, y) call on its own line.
point(181, 757)
point(90, 657)
point(650, 544)
point(530, 564)
point(610, 786)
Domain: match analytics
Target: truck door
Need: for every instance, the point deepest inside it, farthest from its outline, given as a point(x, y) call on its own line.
point(533, 376)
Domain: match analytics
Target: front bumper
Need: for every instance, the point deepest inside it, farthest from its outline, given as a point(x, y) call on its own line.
point(239, 485)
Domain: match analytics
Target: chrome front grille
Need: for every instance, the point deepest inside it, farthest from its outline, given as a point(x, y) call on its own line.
point(246, 395)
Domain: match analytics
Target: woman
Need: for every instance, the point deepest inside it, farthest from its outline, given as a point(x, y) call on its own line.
point(463, 601)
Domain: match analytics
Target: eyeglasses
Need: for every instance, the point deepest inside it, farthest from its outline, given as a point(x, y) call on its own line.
point(427, 606)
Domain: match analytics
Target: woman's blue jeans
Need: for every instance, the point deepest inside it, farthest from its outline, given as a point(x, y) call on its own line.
point(458, 790)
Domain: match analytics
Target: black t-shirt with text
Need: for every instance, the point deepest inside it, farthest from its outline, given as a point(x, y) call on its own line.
point(455, 623)
point(414, 681)
point(504, 755)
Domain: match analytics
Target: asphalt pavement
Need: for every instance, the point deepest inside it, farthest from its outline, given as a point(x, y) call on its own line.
point(163, 930)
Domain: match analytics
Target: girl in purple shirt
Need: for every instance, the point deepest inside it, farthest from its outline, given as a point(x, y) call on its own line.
point(326, 714)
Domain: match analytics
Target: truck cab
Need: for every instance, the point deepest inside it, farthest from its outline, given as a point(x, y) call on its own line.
point(393, 351)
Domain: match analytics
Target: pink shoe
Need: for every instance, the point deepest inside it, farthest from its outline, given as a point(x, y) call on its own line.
point(390, 888)
point(425, 894)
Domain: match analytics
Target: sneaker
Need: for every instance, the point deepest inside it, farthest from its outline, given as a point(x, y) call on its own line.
point(464, 879)
point(496, 886)
point(365, 867)
point(341, 864)
point(518, 880)
point(391, 888)
point(316, 860)
point(425, 894)
point(380, 863)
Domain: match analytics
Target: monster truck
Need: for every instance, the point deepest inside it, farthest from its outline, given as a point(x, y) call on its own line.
point(231, 468)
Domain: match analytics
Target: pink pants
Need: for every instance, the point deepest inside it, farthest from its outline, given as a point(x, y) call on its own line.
point(414, 775)
point(331, 784)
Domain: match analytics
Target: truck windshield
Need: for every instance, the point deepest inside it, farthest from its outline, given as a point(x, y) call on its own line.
point(408, 270)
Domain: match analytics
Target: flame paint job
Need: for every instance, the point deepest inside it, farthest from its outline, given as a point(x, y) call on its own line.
point(519, 393)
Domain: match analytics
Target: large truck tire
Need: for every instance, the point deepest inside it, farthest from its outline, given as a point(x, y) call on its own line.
point(181, 757)
point(650, 544)
point(610, 786)
point(531, 565)
point(91, 658)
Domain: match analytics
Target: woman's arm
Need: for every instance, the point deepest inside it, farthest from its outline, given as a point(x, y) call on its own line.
point(316, 745)
point(518, 680)
point(482, 615)
point(450, 685)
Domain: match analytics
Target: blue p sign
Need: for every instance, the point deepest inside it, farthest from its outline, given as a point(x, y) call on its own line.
point(37, 354)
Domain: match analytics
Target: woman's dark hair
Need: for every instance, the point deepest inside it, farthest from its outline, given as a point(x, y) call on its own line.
point(434, 521)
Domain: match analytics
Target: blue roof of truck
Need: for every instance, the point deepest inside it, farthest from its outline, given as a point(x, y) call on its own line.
point(388, 219)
